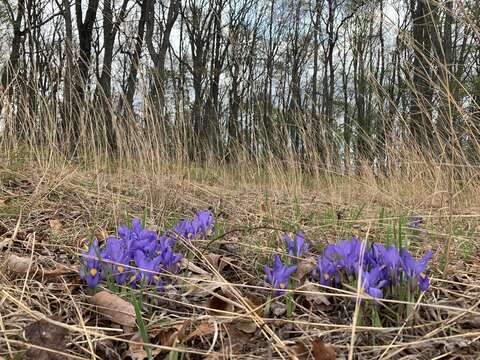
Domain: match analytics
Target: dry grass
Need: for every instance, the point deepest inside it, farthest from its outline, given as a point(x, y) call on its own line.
point(93, 199)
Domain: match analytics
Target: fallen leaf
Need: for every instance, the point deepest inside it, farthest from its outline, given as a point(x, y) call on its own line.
point(136, 349)
point(322, 351)
point(256, 303)
point(218, 304)
point(312, 295)
point(186, 264)
point(55, 225)
point(19, 265)
point(203, 329)
point(219, 262)
point(213, 259)
point(237, 340)
point(48, 335)
point(115, 308)
point(58, 271)
point(201, 285)
point(263, 207)
point(304, 267)
point(230, 248)
point(167, 336)
point(300, 350)
point(247, 326)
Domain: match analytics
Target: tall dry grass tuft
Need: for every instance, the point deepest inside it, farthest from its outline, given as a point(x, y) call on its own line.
point(411, 171)
point(396, 167)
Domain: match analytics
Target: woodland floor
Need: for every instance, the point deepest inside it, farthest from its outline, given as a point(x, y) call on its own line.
point(215, 307)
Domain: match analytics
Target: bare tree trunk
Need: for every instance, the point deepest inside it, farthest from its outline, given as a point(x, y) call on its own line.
point(69, 120)
point(85, 32)
point(127, 101)
point(199, 22)
point(347, 123)
point(422, 92)
point(267, 92)
point(157, 92)
point(103, 92)
point(219, 51)
point(11, 66)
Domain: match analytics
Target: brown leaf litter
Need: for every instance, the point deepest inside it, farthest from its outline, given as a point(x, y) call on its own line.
point(114, 308)
point(50, 338)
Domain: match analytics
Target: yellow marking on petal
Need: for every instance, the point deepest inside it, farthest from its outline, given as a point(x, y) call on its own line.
point(326, 276)
point(282, 286)
point(93, 272)
point(120, 269)
point(423, 275)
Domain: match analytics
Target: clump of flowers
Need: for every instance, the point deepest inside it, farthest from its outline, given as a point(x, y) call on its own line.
point(138, 256)
point(297, 246)
point(383, 269)
point(200, 226)
point(279, 275)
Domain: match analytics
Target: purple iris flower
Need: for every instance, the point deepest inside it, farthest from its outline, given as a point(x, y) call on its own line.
point(392, 257)
point(345, 255)
point(137, 236)
point(387, 259)
point(91, 265)
point(118, 252)
point(150, 253)
point(148, 268)
point(327, 271)
point(165, 241)
point(296, 247)
point(170, 260)
point(416, 269)
point(183, 228)
point(393, 262)
point(132, 232)
point(373, 282)
point(289, 244)
point(279, 275)
point(202, 223)
point(375, 257)
point(201, 226)
point(331, 252)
